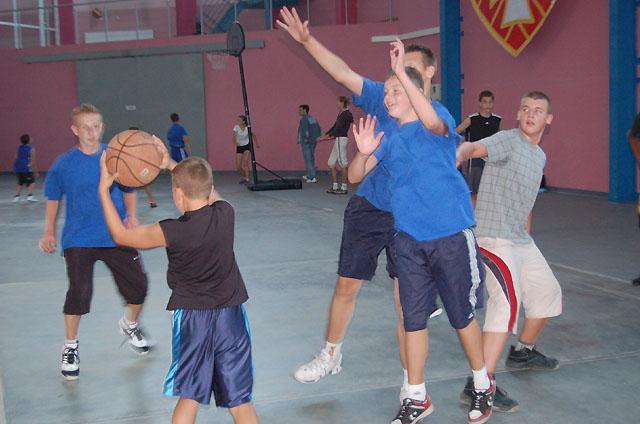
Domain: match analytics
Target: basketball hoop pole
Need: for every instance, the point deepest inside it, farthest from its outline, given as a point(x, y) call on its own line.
point(246, 113)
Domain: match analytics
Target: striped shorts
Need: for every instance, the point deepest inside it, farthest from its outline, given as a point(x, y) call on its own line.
point(450, 267)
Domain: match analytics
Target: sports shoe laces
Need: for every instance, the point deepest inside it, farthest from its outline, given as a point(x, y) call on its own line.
point(69, 356)
point(135, 333)
point(320, 362)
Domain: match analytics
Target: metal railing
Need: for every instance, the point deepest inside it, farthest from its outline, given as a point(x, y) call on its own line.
point(117, 20)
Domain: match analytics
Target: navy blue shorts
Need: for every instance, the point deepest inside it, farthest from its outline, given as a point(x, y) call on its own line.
point(178, 153)
point(450, 267)
point(211, 350)
point(367, 230)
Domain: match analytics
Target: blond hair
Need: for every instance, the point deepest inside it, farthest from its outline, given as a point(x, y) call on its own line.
point(194, 177)
point(84, 109)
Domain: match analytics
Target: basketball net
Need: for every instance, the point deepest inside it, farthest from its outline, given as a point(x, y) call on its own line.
point(217, 61)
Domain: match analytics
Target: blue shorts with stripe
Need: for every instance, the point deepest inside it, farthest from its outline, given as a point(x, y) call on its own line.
point(450, 267)
point(211, 350)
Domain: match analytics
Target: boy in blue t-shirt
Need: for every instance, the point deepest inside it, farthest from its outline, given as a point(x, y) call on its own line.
point(178, 139)
point(435, 250)
point(74, 177)
point(25, 168)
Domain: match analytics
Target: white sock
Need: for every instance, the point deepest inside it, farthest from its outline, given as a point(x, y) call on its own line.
point(416, 391)
point(481, 379)
point(333, 349)
point(405, 378)
point(131, 324)
point(521, 346)
point(71, 343)
point(335, 186)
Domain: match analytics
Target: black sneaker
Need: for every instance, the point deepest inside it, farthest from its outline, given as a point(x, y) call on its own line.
point(70, 367)
point(636, 282)
point(530, 359)
point(481, 403)
point(413, 411)
point(501, 401)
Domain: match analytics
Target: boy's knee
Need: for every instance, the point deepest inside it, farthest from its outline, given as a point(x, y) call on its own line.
point(347, 288)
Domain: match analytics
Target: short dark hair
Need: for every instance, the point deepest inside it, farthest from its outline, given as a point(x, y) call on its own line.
point(485, 93)
point(25, 139)
point(244, 119)
point(344, 100)
point(305, 107)
point(194, 177)
point(428, 57)
point(538, 95)
point(174, 117)
point(413, 75)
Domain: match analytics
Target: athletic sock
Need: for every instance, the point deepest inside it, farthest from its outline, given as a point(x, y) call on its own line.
point(481, 379)
point(521, 346)
point(333, 349)
point(405, 378)
point(130, 324)
point(344, 187)
point(416, 391)
point(71, 343)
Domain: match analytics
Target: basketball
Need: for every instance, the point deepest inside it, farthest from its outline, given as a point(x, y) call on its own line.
point(135, 157)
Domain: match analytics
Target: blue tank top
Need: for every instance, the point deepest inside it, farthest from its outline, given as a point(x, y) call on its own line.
point(23, 161)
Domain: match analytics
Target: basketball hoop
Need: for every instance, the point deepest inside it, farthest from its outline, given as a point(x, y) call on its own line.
point(217, 61)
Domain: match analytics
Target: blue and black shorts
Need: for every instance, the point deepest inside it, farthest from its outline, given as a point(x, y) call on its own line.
point(211, 351)
point(450, 267)
point(367, 230)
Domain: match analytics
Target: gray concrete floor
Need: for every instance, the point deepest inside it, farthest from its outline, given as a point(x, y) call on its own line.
point(287, 246)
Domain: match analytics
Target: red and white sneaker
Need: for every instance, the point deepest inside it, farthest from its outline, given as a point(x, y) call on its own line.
point(482, 404)
point(413, 411)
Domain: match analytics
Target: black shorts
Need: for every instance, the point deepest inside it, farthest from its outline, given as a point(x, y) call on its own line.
point(25, 178)
point(125, 265)
point(241, 149)
point(367, 230)
point(450, 267)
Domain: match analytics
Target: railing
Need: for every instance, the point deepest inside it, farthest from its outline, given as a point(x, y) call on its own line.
point(31, 23)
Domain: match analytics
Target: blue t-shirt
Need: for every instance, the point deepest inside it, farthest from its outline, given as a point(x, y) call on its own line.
point(23, 161)
point(75, 176)
point(429, 197)
point(175, 134)
point(375, 186)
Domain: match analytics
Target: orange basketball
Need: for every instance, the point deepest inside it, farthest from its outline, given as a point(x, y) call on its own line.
point(135, 157)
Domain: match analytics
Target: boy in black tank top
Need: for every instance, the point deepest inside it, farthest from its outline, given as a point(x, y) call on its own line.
point(211, 342)
point(477, 126)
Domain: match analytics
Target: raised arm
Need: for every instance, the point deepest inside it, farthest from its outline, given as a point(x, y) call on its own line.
point(425, 111)
point(365, 160)
point(140, 237)
point(332, 64)
point(48, 241)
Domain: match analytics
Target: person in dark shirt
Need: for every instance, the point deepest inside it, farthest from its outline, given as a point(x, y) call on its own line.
point(634, 141)
point(211, 342)
point(477, 126)
point(338, 157)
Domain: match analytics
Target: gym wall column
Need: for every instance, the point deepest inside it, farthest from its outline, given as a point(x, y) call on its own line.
point(450, 34)
point(351, 9)
point(622, 98)
point(186, 12)
point(67, 30)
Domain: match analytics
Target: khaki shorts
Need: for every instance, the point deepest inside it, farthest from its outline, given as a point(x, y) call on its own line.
point(339, 153)
point(517, 274)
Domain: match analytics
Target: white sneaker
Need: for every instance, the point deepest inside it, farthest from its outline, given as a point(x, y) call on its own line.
point(304, 177)
point(16, 199)
point(134, 336)
point(70, 367)
point(31, 198)
point(319, 367)
point(311, 180)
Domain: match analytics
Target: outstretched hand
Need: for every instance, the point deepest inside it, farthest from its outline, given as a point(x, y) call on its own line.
point(365, 137)
point(106, 179)
point(397, 56)
point(291, 22)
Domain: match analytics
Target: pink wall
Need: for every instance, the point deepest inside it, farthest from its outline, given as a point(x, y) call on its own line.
point(567, 59)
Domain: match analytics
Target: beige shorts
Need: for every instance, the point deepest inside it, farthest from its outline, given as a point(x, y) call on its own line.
point(339, 153)
point(517, 275)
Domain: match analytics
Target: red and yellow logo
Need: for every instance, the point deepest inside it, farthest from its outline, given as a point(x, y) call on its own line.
point(513, 23)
